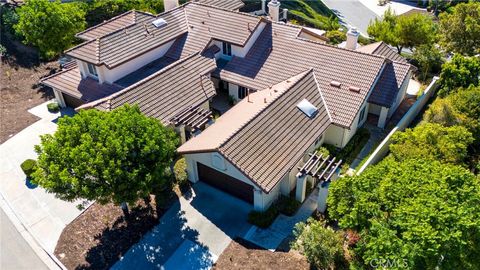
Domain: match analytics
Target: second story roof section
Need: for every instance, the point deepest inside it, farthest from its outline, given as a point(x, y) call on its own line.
point(109, 26)
point(133, 40)
point(180, 86)
point(233, 5)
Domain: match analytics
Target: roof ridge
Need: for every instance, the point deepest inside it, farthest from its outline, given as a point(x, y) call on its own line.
point(323, 99)
point(105, 22)
point(228, 138)
point(223, 9)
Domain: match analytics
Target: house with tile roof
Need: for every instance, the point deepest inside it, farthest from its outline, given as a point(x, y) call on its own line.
point(292, 92)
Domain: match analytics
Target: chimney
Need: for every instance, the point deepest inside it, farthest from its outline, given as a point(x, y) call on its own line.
point(352, 38)
point(274, 10)
point(264, 6)
point(170, 4)
point(285, 14)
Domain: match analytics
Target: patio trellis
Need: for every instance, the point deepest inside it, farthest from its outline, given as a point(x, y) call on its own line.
point(193, 118)
point(319, 167)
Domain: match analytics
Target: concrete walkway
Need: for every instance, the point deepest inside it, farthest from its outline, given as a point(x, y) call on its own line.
point(283, 226)
point(39, 212)
point(192, 233)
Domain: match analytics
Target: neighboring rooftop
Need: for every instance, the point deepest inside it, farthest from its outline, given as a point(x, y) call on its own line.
point(177, 87)
point(71, 82)
point(258, 139)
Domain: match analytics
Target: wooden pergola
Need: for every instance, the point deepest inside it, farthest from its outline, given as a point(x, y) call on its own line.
point(193, 118)
point(320, 167)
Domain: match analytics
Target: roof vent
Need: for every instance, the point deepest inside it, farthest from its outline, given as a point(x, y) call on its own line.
point(354, 89)
point(307, 108)
point(159, 23)
point(335, 83)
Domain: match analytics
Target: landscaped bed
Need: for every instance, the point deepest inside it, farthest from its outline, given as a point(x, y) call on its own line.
point(101, 235)
point(19, 89)
point(241, 254)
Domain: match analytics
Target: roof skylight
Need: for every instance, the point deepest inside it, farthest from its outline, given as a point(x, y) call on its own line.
point(159, 23)
point(307, 108)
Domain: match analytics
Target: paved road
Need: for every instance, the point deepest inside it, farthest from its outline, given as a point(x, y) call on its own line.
point(15, 253)
point(352, 12)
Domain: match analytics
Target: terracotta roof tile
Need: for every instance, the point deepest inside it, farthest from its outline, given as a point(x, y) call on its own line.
point(164, 94)
point(387, 87)
point(225, 4)
point(70, 82)
point(278, 54)
point(266, 145)
point(381, 48)
point(109, 26)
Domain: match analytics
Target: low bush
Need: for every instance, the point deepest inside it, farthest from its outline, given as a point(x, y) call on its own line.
point(263, 219)
point(354, 146)
point(28, 167)
point(288, 205)
point(336, 37)
point(53, 107)
point(180, 172)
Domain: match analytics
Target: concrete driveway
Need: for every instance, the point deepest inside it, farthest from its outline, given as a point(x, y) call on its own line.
point(42, 214)
point(192, 234)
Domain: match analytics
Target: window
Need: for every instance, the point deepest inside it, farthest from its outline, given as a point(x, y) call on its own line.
point(362, 115)
point(92, 70)
point(242, 92)
point(227, 48)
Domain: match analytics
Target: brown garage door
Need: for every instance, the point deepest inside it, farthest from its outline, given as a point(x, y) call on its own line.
point(225, 182)
point(72, 101)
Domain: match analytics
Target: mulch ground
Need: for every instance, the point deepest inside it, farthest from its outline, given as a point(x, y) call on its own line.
point(241, 254)
point(19, 89)
point(101, 235)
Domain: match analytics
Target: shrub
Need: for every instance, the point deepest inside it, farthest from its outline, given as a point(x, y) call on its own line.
point(263, 219)
point(354, 146)
point(28, 167)
point(53, 107)
point(323, 151)
point(180, 171)
point(322, 246)
point(288, 205)
point(336, 37)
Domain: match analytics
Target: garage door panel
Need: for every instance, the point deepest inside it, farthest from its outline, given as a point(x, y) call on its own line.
point(225, 182)
point(72, 102)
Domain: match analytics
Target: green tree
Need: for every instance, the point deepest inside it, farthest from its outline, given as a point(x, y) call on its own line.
point(459, 72)
point(336, 37)
point(429, 58)
point(384, 29)
point(432, 141)
point(460, 29)
point(50, 26)
point(118, 156)
point(423, 211)
point(322, 246)
point(403, 31)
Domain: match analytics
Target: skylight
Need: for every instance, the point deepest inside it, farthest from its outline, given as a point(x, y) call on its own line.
point(307, 108)
point(159, 23)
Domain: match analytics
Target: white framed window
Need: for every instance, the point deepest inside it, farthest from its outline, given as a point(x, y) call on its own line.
point(362, 115)
point(242, 92)
point(92, 70)
point(227, 48)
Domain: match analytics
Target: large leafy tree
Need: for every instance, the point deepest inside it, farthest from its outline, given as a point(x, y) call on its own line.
point(118, 156)
point(403, 31)
point(432, 141)
point(459, 72)
point(50, 26)
point(460, 29)
point(429, 58)
point(422, 211)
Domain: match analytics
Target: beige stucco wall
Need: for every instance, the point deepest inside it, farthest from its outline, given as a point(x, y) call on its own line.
point(111, 75)
point(400, 95)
